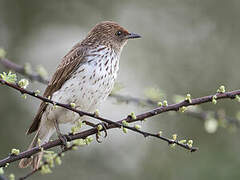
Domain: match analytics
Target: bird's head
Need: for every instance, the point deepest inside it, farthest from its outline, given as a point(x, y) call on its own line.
point(110, 34)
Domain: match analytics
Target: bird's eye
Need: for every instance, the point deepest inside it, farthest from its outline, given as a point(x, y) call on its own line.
point(119, 33)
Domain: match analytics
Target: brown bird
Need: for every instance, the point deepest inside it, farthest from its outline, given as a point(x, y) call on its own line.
point(85, 76)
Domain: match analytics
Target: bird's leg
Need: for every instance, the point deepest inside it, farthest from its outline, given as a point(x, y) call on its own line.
point(60, 135)
point(101, 126)
point(104, 128)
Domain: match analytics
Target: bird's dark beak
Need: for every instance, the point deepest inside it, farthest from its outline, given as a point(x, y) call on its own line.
point(132, 36)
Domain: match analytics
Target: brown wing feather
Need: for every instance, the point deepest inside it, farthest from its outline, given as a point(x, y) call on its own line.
point(69, 64)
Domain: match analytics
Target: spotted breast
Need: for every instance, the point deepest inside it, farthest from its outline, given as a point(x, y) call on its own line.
point(88, 86)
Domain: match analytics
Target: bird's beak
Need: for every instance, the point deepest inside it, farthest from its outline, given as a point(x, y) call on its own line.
point(132, 36)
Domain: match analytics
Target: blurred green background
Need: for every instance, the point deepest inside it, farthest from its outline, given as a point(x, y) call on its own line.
point(187, 46)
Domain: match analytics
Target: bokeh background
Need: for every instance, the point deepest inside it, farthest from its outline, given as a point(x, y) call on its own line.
point(187, 46)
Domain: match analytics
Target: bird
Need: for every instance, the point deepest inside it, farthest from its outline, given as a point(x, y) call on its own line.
point(85, 77)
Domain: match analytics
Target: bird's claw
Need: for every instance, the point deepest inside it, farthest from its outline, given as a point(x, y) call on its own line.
point(63, 139)
point(104, 128)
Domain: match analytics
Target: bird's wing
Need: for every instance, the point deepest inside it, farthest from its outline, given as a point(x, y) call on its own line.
point(68, 65)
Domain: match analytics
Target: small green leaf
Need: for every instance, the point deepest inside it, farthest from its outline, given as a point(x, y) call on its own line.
point(23, 83)
point(10, 78)
point(15, 151)
point(137, 126)
point(221, 89)
point(165, 103)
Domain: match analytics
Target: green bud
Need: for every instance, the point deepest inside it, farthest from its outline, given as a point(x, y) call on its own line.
point(183, 141)
point(221, 89)
point(23, 83)
point(39, 142)
point(172, 145)
point(160, 104)
point(73, 105)
point(125, 123)
point(37, 92)
point(214, 99)
point(159, 133)
point(89, 139)
point(188, 98)
point(133, 116)
point(79, 142)
point(137, 126)
point(182, 109)
point(174, 136)
point(6, 165)
point(2, 53)
point(74, 129)
point(165, 103)
point(79, 124)
point(45, 169)
point(15, 151)
point(124, 130)
point(99, 127)
point(10, 78)
point(24, 96)
point(96, 113)
point(190, 143)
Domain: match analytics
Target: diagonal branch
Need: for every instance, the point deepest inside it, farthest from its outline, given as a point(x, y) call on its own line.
point(202, 115)
point(36, 77)
point(111, 124)
point(84, 134)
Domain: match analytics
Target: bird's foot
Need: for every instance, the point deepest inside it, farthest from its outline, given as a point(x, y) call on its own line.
point(63, 139)
point(101, 127)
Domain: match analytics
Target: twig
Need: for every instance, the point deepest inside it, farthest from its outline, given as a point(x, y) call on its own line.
point(60, 154)
point(128, 99)
point(20, 69)
point(111, 124)
point(202, 115)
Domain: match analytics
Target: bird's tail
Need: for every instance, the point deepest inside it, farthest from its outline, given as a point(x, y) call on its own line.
point(36, 158)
